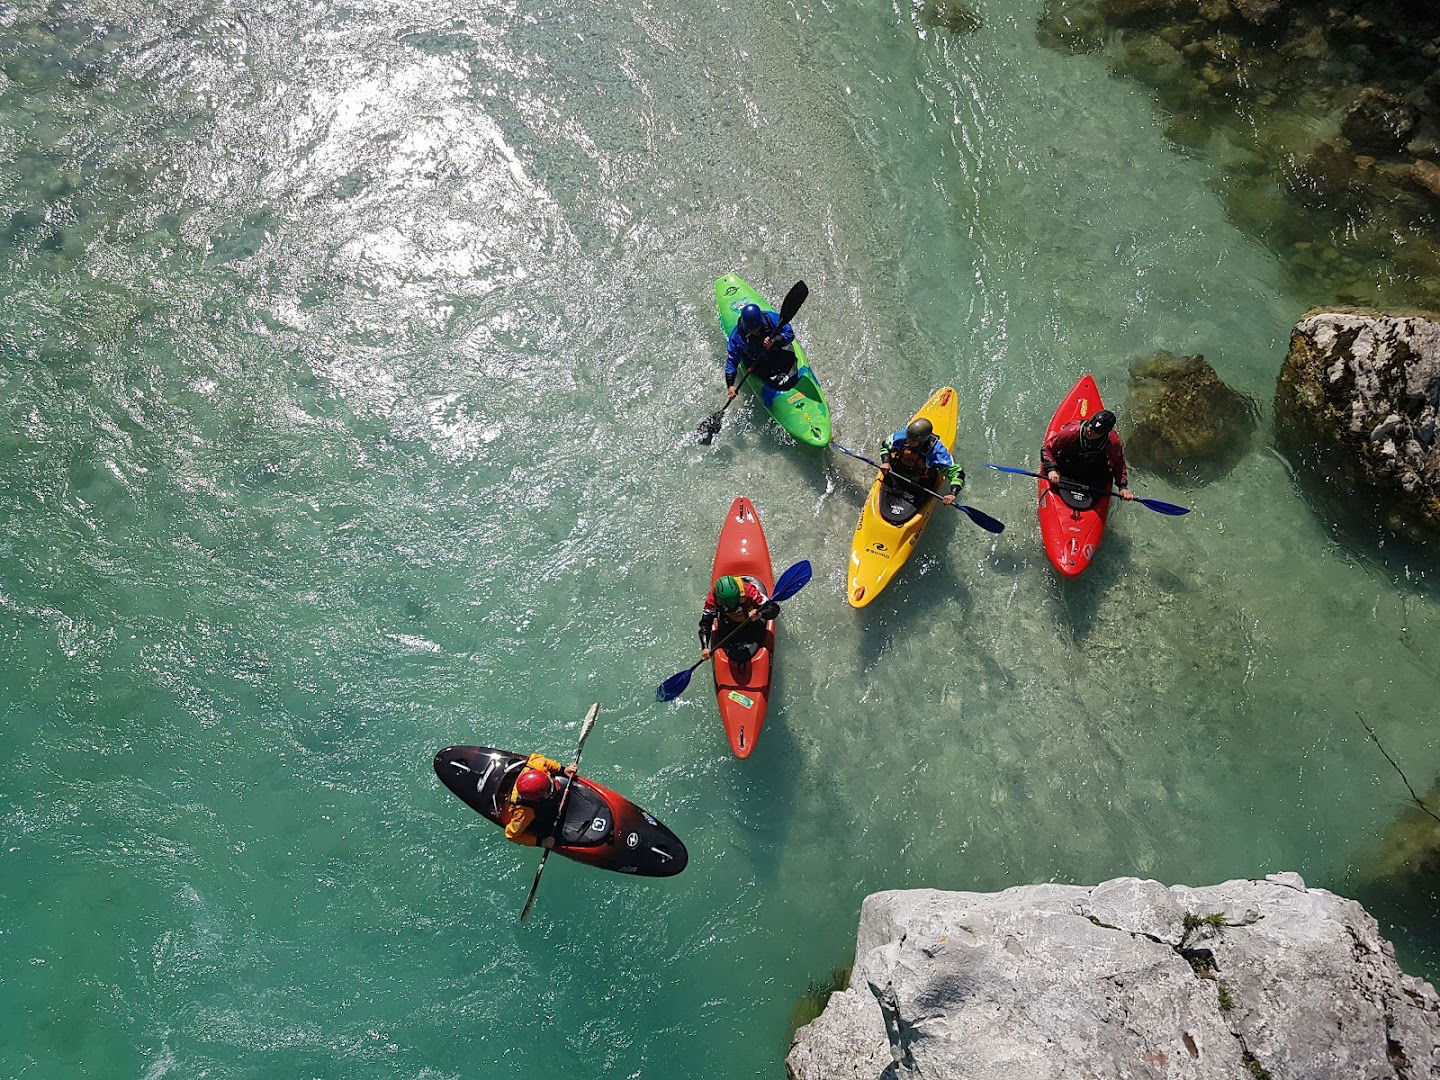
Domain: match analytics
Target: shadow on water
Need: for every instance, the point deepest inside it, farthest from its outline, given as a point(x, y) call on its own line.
point(765, 786)
point(929, 586)
point(1081, 598)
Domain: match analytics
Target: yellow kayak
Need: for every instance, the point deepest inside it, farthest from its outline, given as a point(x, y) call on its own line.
point(888, 530)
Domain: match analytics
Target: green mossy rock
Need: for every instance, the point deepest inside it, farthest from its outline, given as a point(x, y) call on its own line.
point(950, 16)
point(1185, 423)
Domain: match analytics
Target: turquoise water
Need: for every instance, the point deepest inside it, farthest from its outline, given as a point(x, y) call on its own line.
point(350, 359)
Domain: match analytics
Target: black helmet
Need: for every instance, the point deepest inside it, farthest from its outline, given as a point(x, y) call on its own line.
point(917, 431)
point(1099, 425)
point(751, 320)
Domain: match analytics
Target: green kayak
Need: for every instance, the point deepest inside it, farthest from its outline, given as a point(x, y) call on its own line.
point(800, 410)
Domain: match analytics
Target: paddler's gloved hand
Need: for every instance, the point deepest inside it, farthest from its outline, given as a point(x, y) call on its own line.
point(1125, 494)
point(731, 391)
point(571, 769)
point(948, 500)
point(547, 842)
point(1054, 476)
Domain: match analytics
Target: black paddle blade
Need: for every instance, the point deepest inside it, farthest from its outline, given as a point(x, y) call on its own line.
point(793, 299)
point(710, 427)
point(674, 686)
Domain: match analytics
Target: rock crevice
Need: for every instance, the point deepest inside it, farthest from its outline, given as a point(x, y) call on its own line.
point(1128, 978)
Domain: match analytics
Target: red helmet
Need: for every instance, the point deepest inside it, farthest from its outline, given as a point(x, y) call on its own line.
point(533, 785)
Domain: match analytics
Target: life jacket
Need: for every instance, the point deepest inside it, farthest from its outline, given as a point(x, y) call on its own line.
point(913, 462)
point(1085, 464)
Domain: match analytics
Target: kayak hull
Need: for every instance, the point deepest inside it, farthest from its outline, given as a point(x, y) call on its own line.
point(1071, 537)
point(879, 548)
point(601, 828)
point(801, 410)
point(743, 693)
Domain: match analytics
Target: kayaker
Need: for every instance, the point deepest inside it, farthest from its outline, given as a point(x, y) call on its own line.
point(916, 453)
point(529, 812)
point(735, 606)
point(763, 346)
point(1087, 452)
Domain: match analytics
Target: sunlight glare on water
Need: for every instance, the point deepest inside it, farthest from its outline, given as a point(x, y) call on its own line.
point(352, 356)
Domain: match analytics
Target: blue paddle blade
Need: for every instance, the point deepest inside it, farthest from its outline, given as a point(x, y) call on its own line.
point(1151, 504)
point(792, 581)
point(674, 686)
point(1163, 507)
point(984, 520)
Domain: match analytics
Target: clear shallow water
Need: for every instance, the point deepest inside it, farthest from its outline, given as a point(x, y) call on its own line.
point(349, 361)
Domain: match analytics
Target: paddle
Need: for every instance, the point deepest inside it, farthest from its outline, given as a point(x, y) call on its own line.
point(560, 810)
point(791, 582)
point(710, 426)
point(979, 517)
point(1154, 504)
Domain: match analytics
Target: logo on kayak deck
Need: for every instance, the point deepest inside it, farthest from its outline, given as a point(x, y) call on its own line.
point(740, 699)
point(732, 290)
point(945, 398)
point(796, 396)
point(599, 824)
point(1084, 407)
point(633, 840)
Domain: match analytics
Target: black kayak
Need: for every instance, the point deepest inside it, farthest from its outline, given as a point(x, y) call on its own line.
point(601, 827)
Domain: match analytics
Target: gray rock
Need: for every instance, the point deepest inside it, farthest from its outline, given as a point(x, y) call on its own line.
point(1125, 979)
point(1355, 406)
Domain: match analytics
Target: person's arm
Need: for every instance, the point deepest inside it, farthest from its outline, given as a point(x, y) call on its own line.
point(780, 336)
point(1055, 446)
point(885, 449)
point(517, 826)
point(734, 354)
point(1118, 469)
point(707, 626)
point(760, 606)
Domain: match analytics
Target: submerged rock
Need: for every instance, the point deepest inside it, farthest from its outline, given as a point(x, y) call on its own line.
point(1125, 979)
point(1185, 423)
point(1071, 25)
point(951, 16)
point(1408, 860)
point(1357, 405)
point(1378, 121)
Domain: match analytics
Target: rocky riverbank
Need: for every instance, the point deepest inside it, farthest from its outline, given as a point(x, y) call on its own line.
point(1323, 117)
point(1129, 978)
point(1357, 406)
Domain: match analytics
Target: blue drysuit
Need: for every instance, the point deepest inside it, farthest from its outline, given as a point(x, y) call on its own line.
point(768, 364)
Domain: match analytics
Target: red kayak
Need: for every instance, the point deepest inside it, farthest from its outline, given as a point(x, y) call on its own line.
point(1072, 535)
point(743, 695)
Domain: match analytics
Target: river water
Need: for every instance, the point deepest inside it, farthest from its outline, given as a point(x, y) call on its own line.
point(351, 354)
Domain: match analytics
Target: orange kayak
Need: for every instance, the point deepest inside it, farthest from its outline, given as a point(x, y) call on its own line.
point(743, 694)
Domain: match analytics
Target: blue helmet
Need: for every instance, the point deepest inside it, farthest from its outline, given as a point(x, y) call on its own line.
point(751, 320)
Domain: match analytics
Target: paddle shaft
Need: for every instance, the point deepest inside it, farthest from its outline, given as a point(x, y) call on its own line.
point(1073, 485)
point(890, 472)
point(560, 810)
